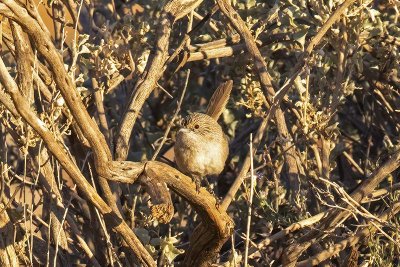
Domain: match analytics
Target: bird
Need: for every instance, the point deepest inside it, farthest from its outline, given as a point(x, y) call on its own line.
point(201, 146)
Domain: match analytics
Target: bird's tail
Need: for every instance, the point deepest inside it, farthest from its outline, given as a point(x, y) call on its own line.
point(219, 100)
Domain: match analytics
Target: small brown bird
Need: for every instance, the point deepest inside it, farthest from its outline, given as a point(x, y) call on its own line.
point(201, 146)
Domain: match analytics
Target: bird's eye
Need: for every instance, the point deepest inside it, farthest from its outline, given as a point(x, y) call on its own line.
point(196, 126)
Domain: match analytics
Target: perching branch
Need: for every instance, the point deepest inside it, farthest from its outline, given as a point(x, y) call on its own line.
point(113, 221)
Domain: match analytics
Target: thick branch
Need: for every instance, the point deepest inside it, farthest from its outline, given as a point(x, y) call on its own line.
point(358, 237)
point(23, 56)
point(113, 220)
point(45, 46)
point(266, 83)
point(334, 215)
point(216, 226)
point(143, 88)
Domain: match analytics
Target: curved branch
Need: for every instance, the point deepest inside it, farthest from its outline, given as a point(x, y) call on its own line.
point(334, 215)
point(143, 88)
point(276, 111)
point(30, 22)
point(112, 219)
point(173, 11)
point(350, 241)
point(46, 48)
point(216, 225)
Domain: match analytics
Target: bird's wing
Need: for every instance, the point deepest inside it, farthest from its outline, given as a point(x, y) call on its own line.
point(219, 99)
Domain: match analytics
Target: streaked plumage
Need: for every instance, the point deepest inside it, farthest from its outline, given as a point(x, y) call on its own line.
point(201, 146)
point(219, 100)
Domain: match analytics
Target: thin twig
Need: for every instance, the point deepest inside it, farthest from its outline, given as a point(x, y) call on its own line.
point(178, 108)
point(352, 161)
point(246, 252)
point(354, 239)
point(188, 35)
point(61, 228)
point(22, 106)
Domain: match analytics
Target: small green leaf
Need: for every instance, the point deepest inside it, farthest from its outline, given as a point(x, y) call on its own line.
point(300, 36)
point(82, 39)
point(169, 250)
point(84, 50)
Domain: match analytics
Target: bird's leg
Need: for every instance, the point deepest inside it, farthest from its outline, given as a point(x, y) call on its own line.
point(212, 192)
point(197, 180)
point(209, 188)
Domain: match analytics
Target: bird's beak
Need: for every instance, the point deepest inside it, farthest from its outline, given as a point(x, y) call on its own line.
point(180, 123)
point(183, 130)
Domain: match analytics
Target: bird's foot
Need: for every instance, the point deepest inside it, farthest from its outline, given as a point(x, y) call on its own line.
point(197, 181)
point(198, 186)
point(210, 189)
point(217, 203)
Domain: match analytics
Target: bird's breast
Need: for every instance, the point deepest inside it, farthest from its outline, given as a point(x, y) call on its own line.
point(196, 154)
